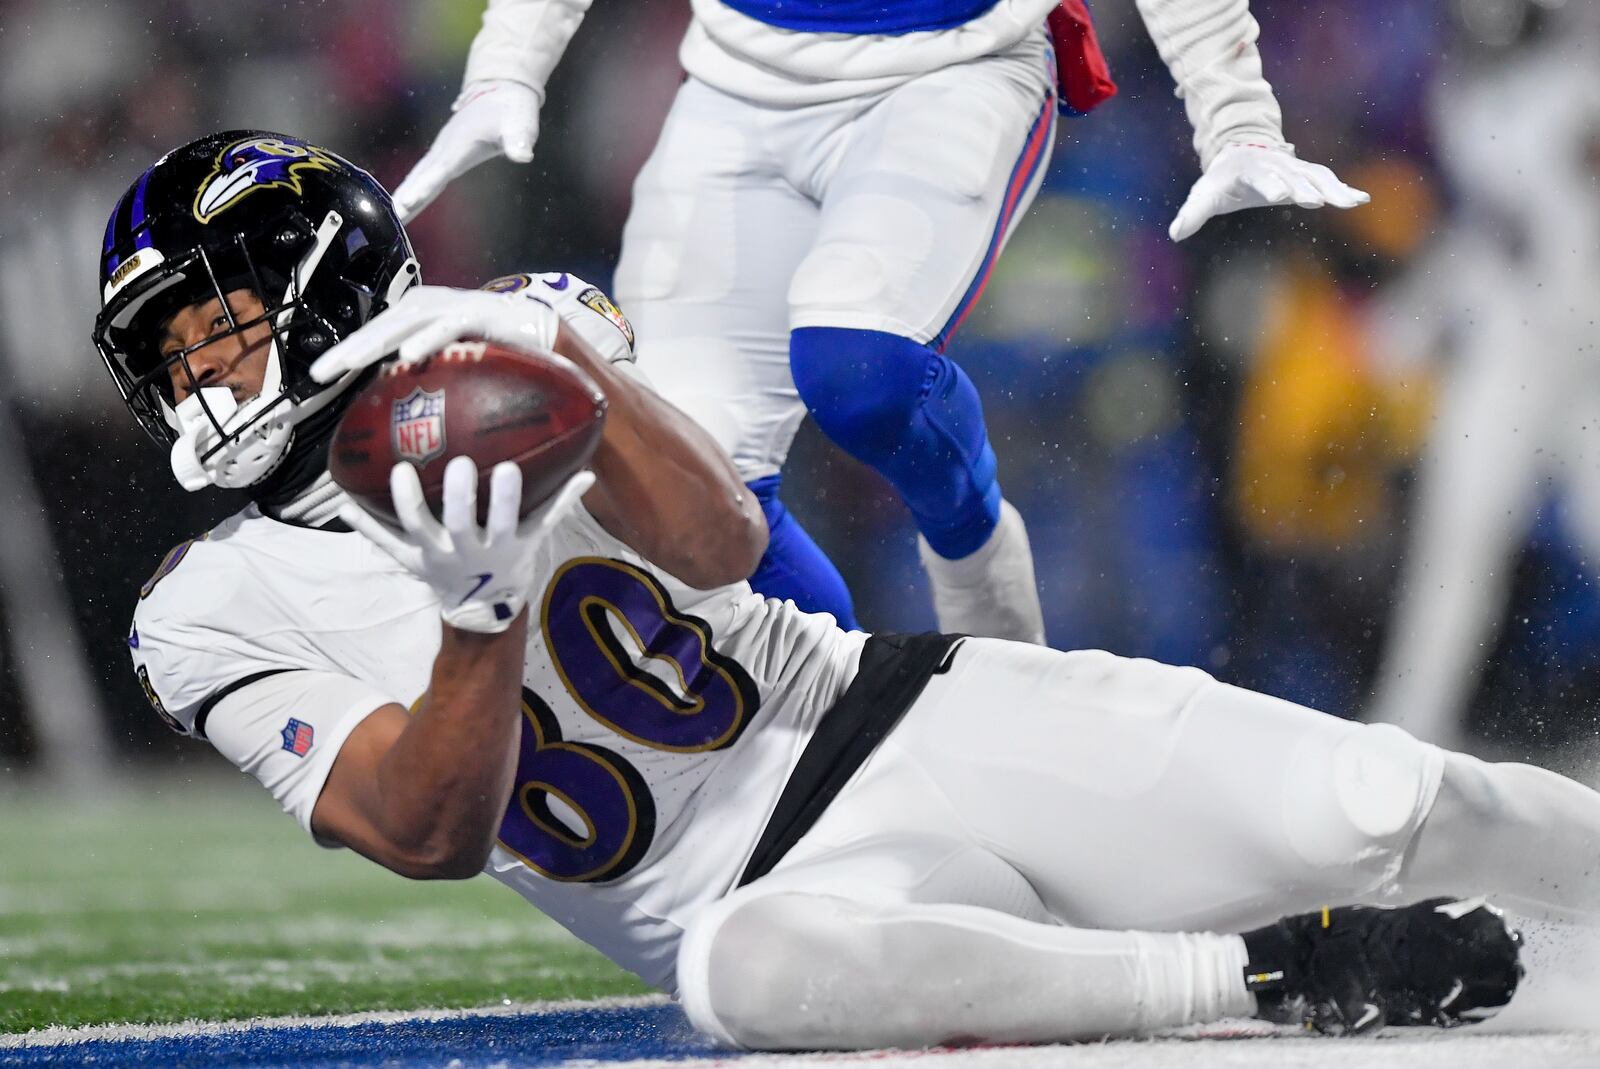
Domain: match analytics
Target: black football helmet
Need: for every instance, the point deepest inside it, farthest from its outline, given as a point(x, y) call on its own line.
point(313, 236)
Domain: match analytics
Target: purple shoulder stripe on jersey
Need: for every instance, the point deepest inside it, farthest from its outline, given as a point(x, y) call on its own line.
point(1022, 176)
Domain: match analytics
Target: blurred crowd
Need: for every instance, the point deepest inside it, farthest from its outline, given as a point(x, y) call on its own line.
point(1342, 457)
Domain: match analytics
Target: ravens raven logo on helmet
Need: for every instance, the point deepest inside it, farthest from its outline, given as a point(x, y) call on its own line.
point(257, 163)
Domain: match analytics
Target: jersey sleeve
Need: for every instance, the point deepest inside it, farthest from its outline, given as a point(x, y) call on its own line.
point(286, 731)
point(582, 307)
point(190, 640)
point(1210, 48)
point(206, 631)
point(522, 41)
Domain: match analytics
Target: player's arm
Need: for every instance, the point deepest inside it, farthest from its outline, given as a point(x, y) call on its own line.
point(423, 794)
point(419, 794)
point(497, 112)
point(664, 486)
point(1210, 48)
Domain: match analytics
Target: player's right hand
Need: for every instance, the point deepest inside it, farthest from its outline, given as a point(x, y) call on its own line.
point(493, 118)
point(427, 318)
point(1259, 176)
point(481, 574)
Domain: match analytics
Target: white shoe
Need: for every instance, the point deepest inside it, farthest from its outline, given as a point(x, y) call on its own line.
point(990, 592)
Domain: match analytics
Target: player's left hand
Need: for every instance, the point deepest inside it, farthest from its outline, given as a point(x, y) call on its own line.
point(480, 572)
point(1258, 176)
point(427, 318)
point(494, 118)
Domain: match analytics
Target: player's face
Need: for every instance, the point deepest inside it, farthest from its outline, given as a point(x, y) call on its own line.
point(237, 361)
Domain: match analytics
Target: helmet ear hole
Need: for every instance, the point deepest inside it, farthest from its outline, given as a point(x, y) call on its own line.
point(311, 341)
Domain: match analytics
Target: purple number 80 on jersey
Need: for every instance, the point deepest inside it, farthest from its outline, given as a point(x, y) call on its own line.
point(706, 706)
point(605, 792)
point(709, 699)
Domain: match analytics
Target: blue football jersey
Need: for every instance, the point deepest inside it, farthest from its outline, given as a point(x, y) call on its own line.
point(862, 16)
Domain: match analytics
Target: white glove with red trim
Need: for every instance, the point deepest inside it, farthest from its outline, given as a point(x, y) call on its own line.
point(1257, 176)
point(482, 574)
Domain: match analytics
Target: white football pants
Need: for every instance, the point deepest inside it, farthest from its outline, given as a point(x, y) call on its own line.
point(1034, 852)
point(882, 212)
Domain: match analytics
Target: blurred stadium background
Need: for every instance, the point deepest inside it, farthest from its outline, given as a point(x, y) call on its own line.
point(1216, 444)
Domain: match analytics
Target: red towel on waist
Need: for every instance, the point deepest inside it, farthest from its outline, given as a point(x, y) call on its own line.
point(1085, 79)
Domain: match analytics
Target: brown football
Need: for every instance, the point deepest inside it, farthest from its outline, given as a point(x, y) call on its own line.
point(480, 399)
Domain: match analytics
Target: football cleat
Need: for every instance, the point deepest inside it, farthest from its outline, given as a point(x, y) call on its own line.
point(1354, 969)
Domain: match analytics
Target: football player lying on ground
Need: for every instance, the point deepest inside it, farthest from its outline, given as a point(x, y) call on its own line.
point(811, 837)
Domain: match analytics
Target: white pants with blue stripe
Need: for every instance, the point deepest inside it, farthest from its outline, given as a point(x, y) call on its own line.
point(884, 212)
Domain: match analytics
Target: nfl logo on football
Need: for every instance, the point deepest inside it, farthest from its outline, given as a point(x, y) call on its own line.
point(418, 425)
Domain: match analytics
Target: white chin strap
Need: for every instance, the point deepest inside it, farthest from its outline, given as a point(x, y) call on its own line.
point(252, 456)
point(243, 460)
point(248, 459)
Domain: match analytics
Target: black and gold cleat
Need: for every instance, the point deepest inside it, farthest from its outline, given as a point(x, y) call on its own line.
point(1354, 969)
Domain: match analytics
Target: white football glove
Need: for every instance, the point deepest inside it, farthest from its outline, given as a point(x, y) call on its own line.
point(427, 318)
point(1256, 176)
point(482, 575)
point(493, 118)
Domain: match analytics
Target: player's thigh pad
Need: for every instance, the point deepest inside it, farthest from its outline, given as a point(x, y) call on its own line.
point(1133, 794)
point(923, 195)
point(711, 243)
point(746, 962)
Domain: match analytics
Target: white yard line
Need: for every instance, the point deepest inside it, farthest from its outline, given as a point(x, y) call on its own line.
point(56, 1036)
point(1394, 1050)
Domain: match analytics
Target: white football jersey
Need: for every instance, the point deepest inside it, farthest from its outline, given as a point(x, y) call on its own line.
point(584, 308)
point(660, 722)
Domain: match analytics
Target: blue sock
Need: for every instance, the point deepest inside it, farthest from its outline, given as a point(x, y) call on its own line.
point(912, 414)
point(794, 567)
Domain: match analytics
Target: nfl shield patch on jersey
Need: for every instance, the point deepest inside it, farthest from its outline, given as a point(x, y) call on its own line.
point(297, 736)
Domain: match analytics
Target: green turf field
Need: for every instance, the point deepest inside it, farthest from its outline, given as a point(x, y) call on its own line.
point(210, 903)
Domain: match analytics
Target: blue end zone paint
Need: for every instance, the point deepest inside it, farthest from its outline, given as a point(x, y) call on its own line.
point(535, 1039)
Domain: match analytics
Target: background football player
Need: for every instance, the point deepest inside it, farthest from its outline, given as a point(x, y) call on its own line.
point(828, 197)
point(1509, 292)
point(804, 834)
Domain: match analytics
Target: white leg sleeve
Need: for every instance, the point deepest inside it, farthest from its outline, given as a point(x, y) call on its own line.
point(796, 970)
